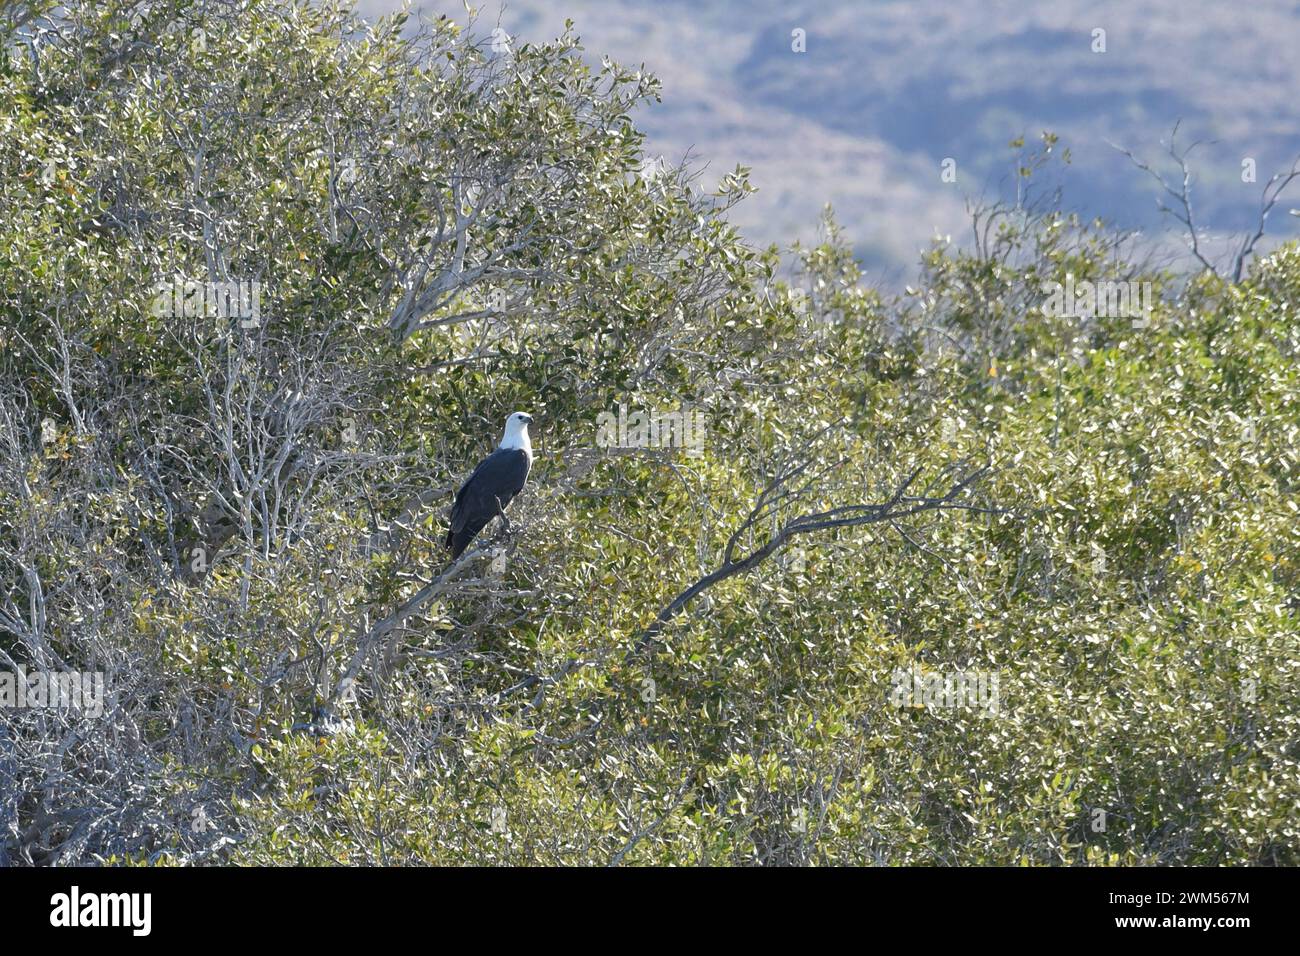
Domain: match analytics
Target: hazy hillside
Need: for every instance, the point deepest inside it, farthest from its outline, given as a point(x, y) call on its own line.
point(886, 90)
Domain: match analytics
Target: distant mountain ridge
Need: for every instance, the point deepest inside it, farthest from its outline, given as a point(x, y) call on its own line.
point(887, 90)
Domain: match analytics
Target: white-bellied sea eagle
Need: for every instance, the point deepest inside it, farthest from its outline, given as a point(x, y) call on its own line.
point(492, 486)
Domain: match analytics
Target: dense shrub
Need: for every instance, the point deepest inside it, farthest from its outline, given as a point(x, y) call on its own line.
point(241, 526)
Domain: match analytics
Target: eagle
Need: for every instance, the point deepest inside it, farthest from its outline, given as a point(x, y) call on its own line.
point(492, 485)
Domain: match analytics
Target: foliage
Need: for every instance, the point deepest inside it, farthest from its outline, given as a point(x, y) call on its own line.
point(241, 526)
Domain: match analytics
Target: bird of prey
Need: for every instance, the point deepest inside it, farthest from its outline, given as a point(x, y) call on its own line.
point(495, 481)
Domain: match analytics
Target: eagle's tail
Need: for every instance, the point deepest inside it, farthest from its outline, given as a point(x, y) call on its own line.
point(458, 541)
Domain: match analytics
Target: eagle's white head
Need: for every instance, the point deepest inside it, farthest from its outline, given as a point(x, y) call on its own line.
point(516, 436)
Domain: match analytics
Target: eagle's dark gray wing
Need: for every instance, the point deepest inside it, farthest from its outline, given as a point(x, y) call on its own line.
point(492, 486)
